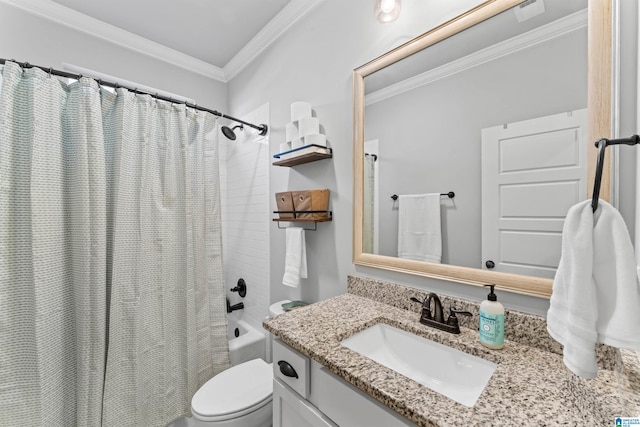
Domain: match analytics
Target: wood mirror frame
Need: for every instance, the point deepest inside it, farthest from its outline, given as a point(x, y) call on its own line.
point(599, 105)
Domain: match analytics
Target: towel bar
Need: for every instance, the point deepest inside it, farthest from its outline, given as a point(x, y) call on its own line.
point(450, 195)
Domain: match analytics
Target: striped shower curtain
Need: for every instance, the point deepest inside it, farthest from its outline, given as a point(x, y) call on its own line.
point(112, 307)
point(368, 229)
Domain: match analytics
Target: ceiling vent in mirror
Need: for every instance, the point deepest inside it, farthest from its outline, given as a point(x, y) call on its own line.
point(529, 9)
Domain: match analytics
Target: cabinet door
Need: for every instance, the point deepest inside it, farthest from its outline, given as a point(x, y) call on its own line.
point(346, 405)
point(290, 410)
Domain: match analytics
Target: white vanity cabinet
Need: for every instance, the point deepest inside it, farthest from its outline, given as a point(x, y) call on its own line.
point(291, 410)
point(306, 394)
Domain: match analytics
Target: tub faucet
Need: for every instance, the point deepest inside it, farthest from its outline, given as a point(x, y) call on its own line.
point(234, 307)
point(436, 319)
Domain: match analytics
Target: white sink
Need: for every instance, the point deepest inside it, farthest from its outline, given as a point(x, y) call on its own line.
point(453, 373)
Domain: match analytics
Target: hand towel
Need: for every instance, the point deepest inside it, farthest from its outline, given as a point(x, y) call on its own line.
point(295, 264)
point(596, 293)
point(419, 233)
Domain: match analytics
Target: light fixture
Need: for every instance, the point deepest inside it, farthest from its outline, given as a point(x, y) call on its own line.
point(387, 10)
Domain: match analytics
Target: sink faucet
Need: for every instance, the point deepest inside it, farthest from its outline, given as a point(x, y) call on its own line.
point(436, 319)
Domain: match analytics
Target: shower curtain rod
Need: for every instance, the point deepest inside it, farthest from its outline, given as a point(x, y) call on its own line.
point(262, 128)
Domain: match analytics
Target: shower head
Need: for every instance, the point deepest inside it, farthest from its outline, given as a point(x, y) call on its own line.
point(229, 132)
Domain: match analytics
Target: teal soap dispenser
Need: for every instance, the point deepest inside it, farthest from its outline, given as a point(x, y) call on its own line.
point(492, 321)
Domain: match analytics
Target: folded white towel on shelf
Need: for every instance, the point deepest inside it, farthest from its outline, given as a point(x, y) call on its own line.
point(419, 232)
point(295, 265)
point(596, 293)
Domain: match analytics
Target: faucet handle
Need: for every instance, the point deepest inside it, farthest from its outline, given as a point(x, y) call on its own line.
point(426, 310)
point(453, 319)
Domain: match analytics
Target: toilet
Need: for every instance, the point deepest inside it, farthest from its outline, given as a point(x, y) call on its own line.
point(239, 396)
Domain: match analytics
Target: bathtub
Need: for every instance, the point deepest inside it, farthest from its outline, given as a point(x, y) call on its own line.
point(245, 342)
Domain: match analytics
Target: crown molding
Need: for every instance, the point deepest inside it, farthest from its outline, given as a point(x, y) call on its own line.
point(94, 27)
point(288, 16)
point(515, 44)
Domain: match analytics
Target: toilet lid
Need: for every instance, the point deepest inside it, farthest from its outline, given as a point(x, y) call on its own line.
point(237, 391)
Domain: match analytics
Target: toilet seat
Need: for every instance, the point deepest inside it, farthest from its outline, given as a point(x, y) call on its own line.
point(237, 391)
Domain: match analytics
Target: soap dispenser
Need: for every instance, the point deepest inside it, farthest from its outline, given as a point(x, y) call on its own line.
point(492, 321)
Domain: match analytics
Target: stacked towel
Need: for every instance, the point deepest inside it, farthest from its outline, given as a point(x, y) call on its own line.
point(295, 266)
point(419, 232)
point(596, 293)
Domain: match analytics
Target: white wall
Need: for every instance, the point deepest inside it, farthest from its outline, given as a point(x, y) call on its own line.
point(245, 216)
point(628, 124)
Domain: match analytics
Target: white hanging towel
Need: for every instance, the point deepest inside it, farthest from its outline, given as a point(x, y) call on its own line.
point(419, 233)
point(295, 264)
point(596, 293)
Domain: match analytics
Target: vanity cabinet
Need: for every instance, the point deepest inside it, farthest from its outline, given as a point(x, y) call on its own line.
point(313, 396)
point(291, 410)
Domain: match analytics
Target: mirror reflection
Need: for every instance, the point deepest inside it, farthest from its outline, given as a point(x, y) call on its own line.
point(495, 114)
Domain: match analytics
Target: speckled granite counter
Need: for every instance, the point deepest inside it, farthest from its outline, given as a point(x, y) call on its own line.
point(530, 386)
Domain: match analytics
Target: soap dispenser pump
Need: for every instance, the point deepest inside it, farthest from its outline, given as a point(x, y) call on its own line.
point(492, 321)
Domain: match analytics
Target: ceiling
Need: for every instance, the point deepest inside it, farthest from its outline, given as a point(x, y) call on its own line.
point(212, 32)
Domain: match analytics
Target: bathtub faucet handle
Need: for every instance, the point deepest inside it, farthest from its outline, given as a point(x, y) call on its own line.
point(241, 288)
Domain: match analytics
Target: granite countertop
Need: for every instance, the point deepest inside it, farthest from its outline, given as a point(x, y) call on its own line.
point(530, 386)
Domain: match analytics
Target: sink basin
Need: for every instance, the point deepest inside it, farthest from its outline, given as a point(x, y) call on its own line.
point(453, 373)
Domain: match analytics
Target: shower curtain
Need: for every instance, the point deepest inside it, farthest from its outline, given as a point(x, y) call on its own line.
point(368, 228)
point(112, 307)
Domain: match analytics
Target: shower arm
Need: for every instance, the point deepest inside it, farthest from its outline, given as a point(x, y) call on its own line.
point(262, 128)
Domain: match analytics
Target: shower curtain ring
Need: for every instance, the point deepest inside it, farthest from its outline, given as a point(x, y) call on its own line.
point(50, 71)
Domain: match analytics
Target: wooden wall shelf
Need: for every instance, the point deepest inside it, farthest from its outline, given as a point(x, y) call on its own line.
point(305, 158)
point(303, 219)
point(308, 153)
point(314, 221)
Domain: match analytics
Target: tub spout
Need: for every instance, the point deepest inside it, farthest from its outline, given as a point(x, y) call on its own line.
point(234, 307)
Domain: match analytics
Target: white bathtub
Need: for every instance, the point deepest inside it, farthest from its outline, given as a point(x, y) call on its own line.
point(250, 343)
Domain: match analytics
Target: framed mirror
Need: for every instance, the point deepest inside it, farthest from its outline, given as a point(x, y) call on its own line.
point(488, 123)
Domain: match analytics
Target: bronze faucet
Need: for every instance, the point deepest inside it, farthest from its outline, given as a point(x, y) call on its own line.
point(437, 319)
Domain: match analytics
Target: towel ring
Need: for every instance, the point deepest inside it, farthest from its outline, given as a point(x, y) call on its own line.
point(602, 144)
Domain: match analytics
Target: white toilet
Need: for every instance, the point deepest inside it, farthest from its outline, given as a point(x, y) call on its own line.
point(238, 397)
